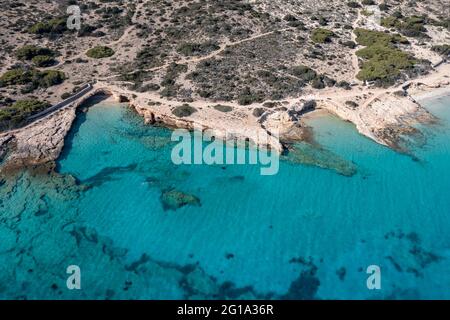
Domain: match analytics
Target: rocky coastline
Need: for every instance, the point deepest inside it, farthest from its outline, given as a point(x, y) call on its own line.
point(385, 116)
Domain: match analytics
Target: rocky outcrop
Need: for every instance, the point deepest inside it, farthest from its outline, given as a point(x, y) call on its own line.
point(4, 145)
point(386, 119)
point(40, 142)
point(286, 125)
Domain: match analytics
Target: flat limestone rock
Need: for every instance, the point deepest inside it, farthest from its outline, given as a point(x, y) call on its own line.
point(40, 142)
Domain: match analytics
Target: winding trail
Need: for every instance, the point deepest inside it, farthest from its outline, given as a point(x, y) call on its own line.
point(222, 48)
point(124, 35)
point(355, 59)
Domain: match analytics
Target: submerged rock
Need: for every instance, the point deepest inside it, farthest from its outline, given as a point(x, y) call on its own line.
point(308, 154)
point(174, 199)
point(107, 174)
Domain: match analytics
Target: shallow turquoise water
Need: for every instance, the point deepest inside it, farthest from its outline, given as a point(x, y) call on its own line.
point(303, 233)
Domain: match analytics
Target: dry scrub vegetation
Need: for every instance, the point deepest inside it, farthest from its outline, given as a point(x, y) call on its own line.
point(217, 50)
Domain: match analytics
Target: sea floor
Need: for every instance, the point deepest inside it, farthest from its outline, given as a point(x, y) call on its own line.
point(140, 227)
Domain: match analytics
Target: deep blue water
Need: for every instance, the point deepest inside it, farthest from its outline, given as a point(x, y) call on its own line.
point(305, 233)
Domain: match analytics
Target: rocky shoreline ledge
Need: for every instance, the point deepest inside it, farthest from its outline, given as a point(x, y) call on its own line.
point(384, 115)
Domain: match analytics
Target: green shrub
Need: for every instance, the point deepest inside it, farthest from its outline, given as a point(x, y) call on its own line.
point(350, 44)
point(30, 106)
point(169, 82)
point(33, 78)
point(351, 104)
point(15, 77)
point(184, 110)
point(383, 63)
point(56, 26)
point(17, 114)
point(247, 97)
point(50, 78)
point(28, 52)
point(303, 72)
point(65, 95)
point(223, 108)
point(344, 84)
point(390, 22)
point(366, 37)
point(321, 35)
point(100, 52)
point(413, 26)
point(382, 60)
point(197, 49)
point(43, 61)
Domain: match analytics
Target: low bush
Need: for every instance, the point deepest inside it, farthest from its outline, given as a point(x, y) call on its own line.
point(184, 110)
point(366, 37)
point(17, 114)
point(247, 97)
point(55, 26)
point(100, 52)
point(197, 49)
point(413, 26)
point(321, 35)
point(28, 52)
point(350, 44)
point(32, 78)
point(223, 108)
point(382, 60)
point(43, 61)
point(303, 72)
point(383, 63)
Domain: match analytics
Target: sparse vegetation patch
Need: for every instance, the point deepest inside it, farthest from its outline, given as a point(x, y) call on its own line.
point(321, 35)
point(100, 52)
point(382, 60)
point(16, 115)
point(184, 110)
point(32, 78)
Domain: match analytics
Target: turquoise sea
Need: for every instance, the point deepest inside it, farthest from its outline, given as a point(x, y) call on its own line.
point(140, 227)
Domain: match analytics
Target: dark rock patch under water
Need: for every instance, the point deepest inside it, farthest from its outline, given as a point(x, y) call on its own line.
point(229, 256)
point(106, 175)
point(305, 287)
point(418, 257)
point(174, 199)
point(237, 179)
point(314, 155)
point(341, 273)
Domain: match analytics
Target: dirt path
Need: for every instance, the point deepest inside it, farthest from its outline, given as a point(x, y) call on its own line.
point(355, 60)
point(124, 36)
point(222, 48)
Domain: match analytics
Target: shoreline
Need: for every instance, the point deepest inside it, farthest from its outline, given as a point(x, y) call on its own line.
point(382, 115)
point(432, 95)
